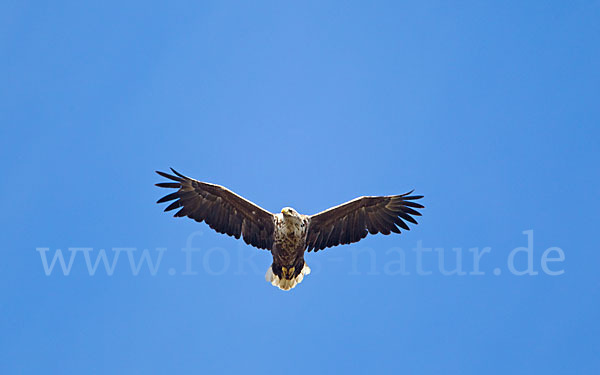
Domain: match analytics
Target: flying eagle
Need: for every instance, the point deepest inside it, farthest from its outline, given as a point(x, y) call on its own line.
point(287, 234)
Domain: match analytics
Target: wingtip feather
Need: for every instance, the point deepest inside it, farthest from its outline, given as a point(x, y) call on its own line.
point(170, 177)
point(177, 173)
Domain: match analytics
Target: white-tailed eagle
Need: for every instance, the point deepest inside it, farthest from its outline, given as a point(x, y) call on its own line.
point(287, 234)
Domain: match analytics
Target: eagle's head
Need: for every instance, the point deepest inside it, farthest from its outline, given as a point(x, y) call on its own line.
point(289, 212)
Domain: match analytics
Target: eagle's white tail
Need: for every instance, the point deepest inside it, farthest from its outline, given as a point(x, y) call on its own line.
point(285, 284)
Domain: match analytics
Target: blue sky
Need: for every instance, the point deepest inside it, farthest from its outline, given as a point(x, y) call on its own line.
point(489, 109)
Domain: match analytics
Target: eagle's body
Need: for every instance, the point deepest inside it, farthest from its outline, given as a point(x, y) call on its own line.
point(288, 268)
point(288, 234)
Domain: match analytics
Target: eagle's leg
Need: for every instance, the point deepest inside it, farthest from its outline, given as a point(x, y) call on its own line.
point(286, 278)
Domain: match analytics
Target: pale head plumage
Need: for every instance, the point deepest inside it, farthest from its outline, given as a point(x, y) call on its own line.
point(290, 212)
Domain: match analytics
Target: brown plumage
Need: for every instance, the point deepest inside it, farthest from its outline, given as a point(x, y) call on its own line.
point(288, 234)
point(350, 222)
point(223, 210)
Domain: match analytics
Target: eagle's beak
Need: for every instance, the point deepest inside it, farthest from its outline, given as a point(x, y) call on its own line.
point(283, 210)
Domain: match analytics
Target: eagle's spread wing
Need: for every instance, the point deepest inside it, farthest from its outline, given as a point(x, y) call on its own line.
point(223, 210)
point(350, 222)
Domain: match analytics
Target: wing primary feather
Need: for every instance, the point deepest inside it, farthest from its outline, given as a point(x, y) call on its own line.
point(170, 177)
point(173, 206)
point(169, 197)
point(394, 228)
point(407, 217)
point(178, 174)
point(412, 197)
point(411, 211)
point(173, 185)
point(412, 204)
point(401, 223)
